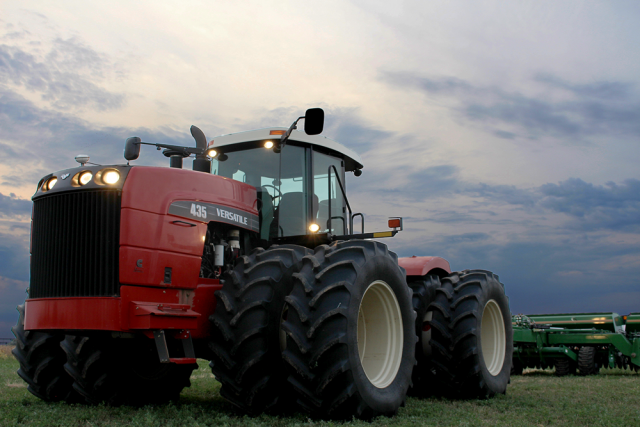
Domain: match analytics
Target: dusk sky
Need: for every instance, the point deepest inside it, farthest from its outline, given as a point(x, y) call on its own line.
point(507, 134)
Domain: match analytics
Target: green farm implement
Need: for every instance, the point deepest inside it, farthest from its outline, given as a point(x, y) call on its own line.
point(583, 342)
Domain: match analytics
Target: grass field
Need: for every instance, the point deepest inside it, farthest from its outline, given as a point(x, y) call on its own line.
point(536, 398)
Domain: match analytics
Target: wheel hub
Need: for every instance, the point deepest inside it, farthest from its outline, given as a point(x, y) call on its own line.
point(493, 337)
point(380, 334)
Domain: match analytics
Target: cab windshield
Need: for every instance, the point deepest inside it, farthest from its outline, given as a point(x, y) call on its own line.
point(288, 205)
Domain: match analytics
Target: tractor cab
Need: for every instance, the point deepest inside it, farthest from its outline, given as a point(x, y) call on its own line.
point(300, 183)
point(299, 178)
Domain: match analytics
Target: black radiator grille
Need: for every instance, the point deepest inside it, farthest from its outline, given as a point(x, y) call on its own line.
point(75, 244)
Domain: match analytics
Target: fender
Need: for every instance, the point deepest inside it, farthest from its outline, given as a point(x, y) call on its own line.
point(423, 265)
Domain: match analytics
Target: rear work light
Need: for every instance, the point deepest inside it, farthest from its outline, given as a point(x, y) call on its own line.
point(395, 223)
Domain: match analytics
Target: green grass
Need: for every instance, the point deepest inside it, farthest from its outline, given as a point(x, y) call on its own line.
point(537, 398)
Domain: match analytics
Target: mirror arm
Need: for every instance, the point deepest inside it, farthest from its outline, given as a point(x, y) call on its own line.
point(287, 134)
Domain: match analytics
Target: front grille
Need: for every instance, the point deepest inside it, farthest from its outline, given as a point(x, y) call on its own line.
point(75, 244)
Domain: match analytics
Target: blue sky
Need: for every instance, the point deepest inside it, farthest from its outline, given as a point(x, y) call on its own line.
point(505, 133)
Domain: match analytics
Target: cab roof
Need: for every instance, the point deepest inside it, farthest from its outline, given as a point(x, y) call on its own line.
point(351, 158)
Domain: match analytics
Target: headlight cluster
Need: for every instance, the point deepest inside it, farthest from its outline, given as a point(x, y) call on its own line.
point(48, 184)
point(110, 177)
point(104, 177)
point(84, 177)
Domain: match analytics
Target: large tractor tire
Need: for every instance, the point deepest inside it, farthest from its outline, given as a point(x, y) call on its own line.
point(42, 363)
point(123, 371)
point(246, 341)
point(472, 336)
point(424, 292)
point(350, 332)
point(587, 361)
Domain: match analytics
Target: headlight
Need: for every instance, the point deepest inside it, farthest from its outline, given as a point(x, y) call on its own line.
point(85, 178)
point(111, 177)
point(50, 183)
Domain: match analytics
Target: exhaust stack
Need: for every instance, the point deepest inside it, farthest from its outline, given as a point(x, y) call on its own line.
point(200, 163)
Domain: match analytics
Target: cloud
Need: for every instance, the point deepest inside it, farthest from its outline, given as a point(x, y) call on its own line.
point(504, 134)
point(12, 206)
point(445, 86)
point(599, 108)
point(432, 181)
point(534, 116)
point(612, 206)
point(13, 294)
point(65, 76)
point(362, 136)
point(534, 268)
point(503, 193)
point(600, 90)
point(14, 253)
point(467, 238)
point(589, 207)
point(58, 136)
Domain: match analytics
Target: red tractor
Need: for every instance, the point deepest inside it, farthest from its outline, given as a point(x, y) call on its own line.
point(253, 262)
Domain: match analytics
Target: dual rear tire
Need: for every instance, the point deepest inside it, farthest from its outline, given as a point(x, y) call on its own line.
point(424, 292)
point(472, 336)
point(350, 332)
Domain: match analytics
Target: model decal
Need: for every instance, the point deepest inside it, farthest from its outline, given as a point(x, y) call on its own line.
point(211, 212)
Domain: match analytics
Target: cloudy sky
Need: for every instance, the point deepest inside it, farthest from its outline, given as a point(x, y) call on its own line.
point(507, 134)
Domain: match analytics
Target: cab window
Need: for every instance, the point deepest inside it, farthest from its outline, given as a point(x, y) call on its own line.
point(283, 203)
point(327, 191)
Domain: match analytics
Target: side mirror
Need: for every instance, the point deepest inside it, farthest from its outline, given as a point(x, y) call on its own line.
point(314, 121)
point(132, 148)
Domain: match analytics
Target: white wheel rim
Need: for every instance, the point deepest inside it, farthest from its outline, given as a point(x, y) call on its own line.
point(380, 337)
point(493, 337)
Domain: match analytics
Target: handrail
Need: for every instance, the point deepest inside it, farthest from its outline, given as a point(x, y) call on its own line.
point(361, 216)
point(344, 197)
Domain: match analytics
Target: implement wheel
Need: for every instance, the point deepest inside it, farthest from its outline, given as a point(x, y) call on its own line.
point(565, 366)
point(472, 336)
point(42, 363)
point(123, 371)
point(587, 361)
point(350, 332)
point(246, 341)
point(424, 292)
point(516, 367)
